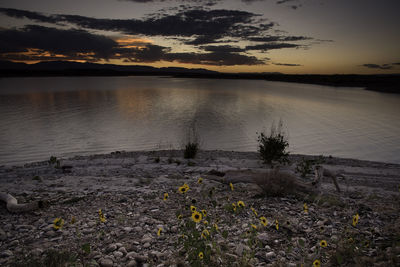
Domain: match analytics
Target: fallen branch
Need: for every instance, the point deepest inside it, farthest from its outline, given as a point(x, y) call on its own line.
point(14, 207)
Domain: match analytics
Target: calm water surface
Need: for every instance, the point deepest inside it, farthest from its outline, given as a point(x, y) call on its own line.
point(40, 117)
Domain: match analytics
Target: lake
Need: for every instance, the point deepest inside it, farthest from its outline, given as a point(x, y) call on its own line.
point(66, 116)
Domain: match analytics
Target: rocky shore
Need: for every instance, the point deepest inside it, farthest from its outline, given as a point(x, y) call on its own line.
point(144, 227)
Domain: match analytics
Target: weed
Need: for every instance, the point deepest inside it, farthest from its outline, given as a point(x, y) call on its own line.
point(272, 147)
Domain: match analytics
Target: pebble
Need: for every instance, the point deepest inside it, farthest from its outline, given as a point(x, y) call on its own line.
point(111, 248)
point(118, 254)
point(132, 263)
point(146, 245)
point(106, 262)
point(6, 253)
point(270, 255)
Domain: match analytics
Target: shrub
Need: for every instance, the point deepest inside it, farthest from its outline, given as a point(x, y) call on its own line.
point(192, 144)
point(275, 183)
point(306, 166)
point(191, 150)
point(272, 147)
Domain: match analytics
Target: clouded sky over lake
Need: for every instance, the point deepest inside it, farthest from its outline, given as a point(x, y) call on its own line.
point(289, 36)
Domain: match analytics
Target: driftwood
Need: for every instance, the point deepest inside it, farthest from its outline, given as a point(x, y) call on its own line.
point(255, 176)
point(14, 207)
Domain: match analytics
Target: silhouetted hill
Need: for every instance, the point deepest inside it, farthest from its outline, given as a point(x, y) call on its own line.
point(381, 83)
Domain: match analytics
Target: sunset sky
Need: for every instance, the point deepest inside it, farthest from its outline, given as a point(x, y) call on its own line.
point(288, 36)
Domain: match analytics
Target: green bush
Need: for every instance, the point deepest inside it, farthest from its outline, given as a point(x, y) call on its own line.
point(272, 147)
point(191, 150)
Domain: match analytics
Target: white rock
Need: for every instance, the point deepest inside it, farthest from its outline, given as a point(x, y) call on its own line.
point(106, 263)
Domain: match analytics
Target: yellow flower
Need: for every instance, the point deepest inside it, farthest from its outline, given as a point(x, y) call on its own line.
point(180, 217)
point(200, 180)
point(201, 255)
point(165, 196)
point(323, 243)
point(58, 223)
point(159, 231)
point(196, 216)
point(317, 263)
point(231, 186)
point(254, 226)
point(193, 208)
point(264, 221)
point(234, 206)
point(305, 208)
point(205, 222)
point(276, 224)
point(355, 219)
point(216, 226)
point(73, 220)
point(183, 189)
point(254, 211)
point(240, 204)
point(204, 212)
point(101, 216)
point(205, 233)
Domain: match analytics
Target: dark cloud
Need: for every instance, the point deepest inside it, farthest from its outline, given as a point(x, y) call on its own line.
point(222, 48)
point(287, 64)
point(196, 27)
point(35, 16)
point(270, 46)
point(66, 42)
point(271, 38)
point(43, 43)
point(377, 66)
point(214, 58)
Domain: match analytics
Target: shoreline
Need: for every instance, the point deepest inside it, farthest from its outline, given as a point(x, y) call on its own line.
point(129, 186)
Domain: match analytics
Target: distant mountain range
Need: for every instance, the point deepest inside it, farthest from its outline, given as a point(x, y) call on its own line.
point(383, 83)
point(72, 66)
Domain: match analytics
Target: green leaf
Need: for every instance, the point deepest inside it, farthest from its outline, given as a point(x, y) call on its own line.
point(301, 242)
point(86, 248)
point(339, 259)
point(225, 234)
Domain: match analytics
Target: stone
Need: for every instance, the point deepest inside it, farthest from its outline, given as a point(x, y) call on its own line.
point(132, 263)
point(118, 254)
point(111, 248)
point(146, 245)
point(263, 237)
point(127, 229)
point(123, 250)
point(269, 255)
point(3, 235)
point(106, 262)
point(37, 252)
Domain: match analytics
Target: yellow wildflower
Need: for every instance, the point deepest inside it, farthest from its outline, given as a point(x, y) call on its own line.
point(183, 189)
point(231, 186)
point(305, 208)
point(216, 226)
point(159, 231)
point(196, 216)
point(254, 211)
point(254, 226)
point(58, 223)
point(165, 196)
point(180, 217)
point(276, 224)
point(73, 220)
point(234, 206)
point(205, 222)
point(355, 219)
point(264, 221)
point(205, 233)
point(204, 212)
point(240, 204)
point(323, 243)
point(200, 180)
point(193, 208)
point(101, 216)
point(201, 255)
point(317, 263)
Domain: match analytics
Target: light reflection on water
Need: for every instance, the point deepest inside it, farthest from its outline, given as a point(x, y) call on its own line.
point(67, 116)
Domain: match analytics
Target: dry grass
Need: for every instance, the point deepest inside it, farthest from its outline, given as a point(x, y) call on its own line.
point(276, 183)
